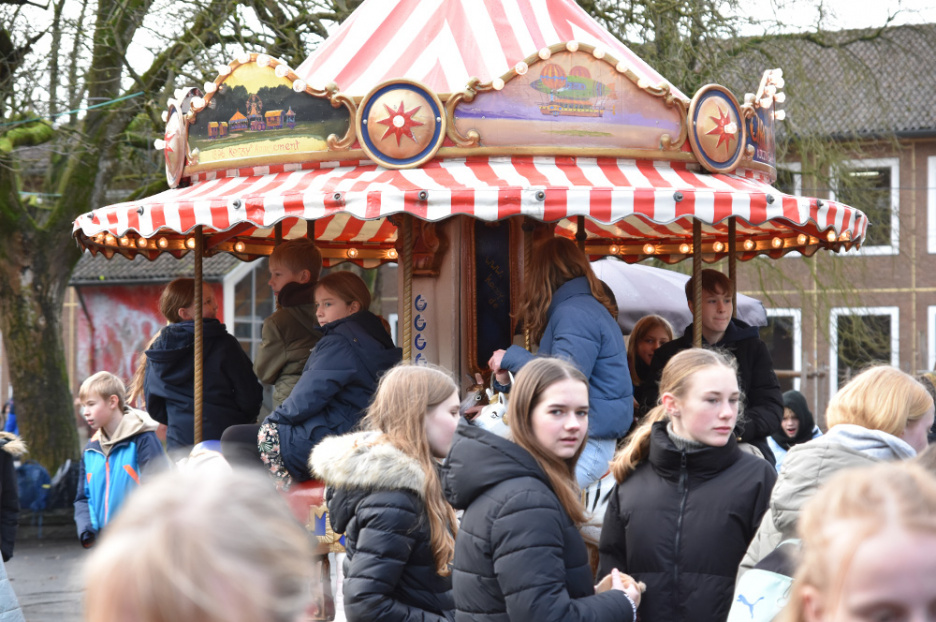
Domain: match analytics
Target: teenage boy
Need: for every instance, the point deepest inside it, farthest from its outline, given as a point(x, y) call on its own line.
point(292, 331)
point(763, 400)
point(123, 451)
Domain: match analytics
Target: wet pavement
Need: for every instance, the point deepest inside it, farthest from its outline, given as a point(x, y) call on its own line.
point(46, 576)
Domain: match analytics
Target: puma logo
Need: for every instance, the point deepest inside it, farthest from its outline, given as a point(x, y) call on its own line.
point(743, 601)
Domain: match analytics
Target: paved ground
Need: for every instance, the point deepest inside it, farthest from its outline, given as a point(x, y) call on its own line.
point(46, 576)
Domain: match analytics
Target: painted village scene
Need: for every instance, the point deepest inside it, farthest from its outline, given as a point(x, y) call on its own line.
point(257, 113)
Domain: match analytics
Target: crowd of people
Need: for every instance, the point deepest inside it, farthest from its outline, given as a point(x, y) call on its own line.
point(719, 477)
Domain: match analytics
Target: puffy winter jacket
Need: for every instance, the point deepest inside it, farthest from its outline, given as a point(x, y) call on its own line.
point(810, 465)
point(580, 329)
point(763, 400)
point(231, 396)
point(681, 523)
point(518, 555)
point(376, 498)
point(12, 449)
point(335, 387)
point(112, 468)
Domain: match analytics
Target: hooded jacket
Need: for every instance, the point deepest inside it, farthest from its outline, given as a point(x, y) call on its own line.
point(335, 387)
point(681, 523)
point(779, 442)
point(13, 447)
point(112, 467)
point(809, 466)
point(288, 337)
point(232, 394)
point(518, 555)
point(376, 497)
point(580, 329)
point(763, 400)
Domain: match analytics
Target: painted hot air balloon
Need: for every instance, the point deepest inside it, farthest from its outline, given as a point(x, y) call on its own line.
point(580, 72)
point(553, 77)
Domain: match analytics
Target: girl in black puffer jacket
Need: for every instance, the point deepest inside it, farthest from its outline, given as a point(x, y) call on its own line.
point(688, 500)
point(519, 555)
point(384, 494)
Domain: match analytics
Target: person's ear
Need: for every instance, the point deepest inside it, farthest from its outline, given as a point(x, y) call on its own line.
point(689, 304)
point(305, 276)
point(113, 401)
point(813, 604)
point(184, 314)
point(355, 306)
point(670, 403)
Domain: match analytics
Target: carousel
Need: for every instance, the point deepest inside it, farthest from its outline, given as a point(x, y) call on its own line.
point(449, 140)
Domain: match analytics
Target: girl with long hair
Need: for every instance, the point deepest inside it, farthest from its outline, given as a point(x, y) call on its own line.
point(519, 554)
point(385, 495)
point(688, 500)
point(882, 414)
point(650, 332)
point(232, 395)
point(868, 538)
point(337, 382)
point(569, 316)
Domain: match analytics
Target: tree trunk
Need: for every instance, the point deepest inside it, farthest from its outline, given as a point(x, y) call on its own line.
point(33, 278)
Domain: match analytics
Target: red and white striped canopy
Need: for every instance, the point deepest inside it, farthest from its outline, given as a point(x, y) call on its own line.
point(628, 204)
point(444, 43)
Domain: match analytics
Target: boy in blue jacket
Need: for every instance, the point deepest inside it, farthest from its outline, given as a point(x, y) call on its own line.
point(123, 450)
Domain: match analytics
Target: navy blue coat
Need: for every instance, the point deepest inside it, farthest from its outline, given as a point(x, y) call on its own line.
point(518, 555)
point(232, 394)
point(335, 388)
point(580, 329)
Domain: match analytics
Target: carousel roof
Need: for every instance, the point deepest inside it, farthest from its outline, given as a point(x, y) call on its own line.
point(624, 200)
point(444, 43)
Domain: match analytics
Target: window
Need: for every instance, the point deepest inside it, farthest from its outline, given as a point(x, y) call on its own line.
point(861, 336)
point(872, 186)
point(789, 179)
point(931, 338)
point(248, 300)
point(783, 336)
point(931, 206)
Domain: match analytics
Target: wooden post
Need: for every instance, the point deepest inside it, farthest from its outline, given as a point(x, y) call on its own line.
point(696, 283)
point(406, 332)
point(580, 234)
point(199, 335)
point(733, 263)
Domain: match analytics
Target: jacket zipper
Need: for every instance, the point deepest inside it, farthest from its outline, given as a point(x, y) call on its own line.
point(684, 493)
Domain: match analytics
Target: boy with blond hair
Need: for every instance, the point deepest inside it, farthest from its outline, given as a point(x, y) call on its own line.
point(123, 450)
point(292, 331)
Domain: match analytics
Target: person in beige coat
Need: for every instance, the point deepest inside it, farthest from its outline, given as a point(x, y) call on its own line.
point(881, 415)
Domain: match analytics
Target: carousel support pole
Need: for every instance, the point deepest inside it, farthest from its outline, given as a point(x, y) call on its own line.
point(696, 283)
point(199, 335)
point(733, 263)
point(527, 267)
point(406, 334)
point(278, 233)
point(580, 232)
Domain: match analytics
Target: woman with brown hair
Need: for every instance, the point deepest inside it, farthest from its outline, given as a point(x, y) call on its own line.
point(519, 555)
point(688, 500)
point(384, 494)
point(650, 332)
point(232, 394)
point(569, 316)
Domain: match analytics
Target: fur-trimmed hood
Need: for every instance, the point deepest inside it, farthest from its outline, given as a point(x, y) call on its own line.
point(365, 460)
point(12, 444)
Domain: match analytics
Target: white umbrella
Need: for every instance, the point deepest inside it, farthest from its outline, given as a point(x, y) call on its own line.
point(643, 290)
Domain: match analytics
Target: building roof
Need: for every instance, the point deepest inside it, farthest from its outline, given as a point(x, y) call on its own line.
point(880, 83)
point(98, 270)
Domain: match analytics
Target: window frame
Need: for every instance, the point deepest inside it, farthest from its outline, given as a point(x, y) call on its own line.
point(797, 315)
point(931, 207)
point(894, 165)
point(836, 312)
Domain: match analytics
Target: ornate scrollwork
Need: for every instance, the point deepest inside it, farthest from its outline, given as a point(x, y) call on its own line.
point(473, 139)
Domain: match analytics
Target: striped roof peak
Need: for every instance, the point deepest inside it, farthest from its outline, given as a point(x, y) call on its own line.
point(444, 43)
